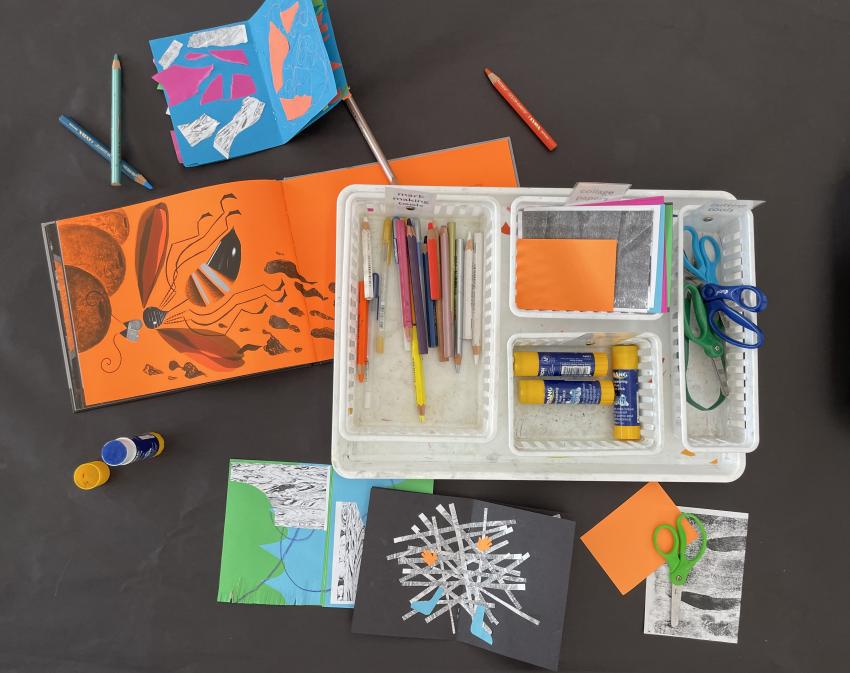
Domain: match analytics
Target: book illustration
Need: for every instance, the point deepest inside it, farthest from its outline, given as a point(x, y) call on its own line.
point(293, 533)
point(458, 567)
point(298, 494)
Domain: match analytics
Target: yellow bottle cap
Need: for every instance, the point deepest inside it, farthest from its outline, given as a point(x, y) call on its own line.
point(607, 393)
point(91, 475)
point(600, 364)
point(161, 443)
point(531, 391)
point(624, 357)
point(627, 432)
point(526, 363)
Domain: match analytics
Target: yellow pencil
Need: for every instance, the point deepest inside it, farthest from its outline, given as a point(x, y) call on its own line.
point(418, 380)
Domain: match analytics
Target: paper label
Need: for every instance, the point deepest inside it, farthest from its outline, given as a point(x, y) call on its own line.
point(717, 209)
point(589, 192)
point(411, 200)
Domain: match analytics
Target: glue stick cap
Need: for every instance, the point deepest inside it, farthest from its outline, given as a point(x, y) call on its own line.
point(606, 392)
point(526, 363)
point(118, 451)
point(531, 392)
point(91, 475)
point(624, 357)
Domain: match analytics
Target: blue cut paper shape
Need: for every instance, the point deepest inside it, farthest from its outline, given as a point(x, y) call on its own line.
point(312, 67)
point(477, 626)
point(427, 607)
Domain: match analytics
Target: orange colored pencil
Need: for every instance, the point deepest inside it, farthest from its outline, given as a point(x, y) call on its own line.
point(521, 110)
point(362, 331)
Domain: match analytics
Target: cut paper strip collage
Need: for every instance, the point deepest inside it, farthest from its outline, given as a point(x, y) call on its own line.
point(284, 57)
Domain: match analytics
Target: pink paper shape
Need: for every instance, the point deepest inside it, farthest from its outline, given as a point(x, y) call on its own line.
point(230, 55)
point(294, 108)
point(181, 83)
point(194, 56)
point(287, 17)
point(214, 91)
point(241, 86)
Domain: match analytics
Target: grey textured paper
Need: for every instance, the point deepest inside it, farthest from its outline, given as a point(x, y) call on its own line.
point(711, 598)
point(633, 231)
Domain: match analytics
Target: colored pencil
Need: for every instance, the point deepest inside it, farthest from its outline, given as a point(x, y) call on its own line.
point(416, 291)
point(418, 380)
point(102, 150)
point(115, 130)
point(467, 289)
point(430, 316)
point(362, 332)
point(447, 335)
point(521, 110)
point(477, 295)
point(386, 259)
point(453, 269)
point(366, 249)
point(433, 262)
point(403, 275)
point(459, 271)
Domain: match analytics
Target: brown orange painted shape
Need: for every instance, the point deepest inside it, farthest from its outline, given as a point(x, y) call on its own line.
point(484, 543)
point(429, 557)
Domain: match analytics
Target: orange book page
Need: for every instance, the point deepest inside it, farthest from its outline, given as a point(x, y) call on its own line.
point(622, 542)
point(178, 291)
point(561, 274)
point(311, 209)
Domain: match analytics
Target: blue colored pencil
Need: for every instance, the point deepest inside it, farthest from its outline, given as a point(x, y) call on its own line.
point(115, 129)
point(101, 149)
point(430, 309)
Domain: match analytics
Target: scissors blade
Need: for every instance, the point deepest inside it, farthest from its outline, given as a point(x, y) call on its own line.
point(675, 604)
point(721, 376)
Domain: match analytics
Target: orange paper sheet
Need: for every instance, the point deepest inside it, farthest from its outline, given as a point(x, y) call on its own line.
point(562, 274)
point(152, 299)
point(622, 541)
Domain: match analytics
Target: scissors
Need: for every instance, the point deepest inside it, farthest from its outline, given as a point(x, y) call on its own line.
point(717, 299)
point(706, 338)
point(679, 564)
point(704, 266)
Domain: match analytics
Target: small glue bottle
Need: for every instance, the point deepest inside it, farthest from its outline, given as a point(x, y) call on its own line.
point(624, 361)
point(556, 391)
point(531, 363)
point(125, 450)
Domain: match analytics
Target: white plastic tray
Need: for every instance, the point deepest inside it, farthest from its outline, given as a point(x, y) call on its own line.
point(458, 458)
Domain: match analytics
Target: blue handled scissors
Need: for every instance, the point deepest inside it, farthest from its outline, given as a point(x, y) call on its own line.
point(717, 299)
point(706, 253)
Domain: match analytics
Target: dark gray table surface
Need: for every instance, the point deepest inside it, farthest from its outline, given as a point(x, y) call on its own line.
point(740, 95)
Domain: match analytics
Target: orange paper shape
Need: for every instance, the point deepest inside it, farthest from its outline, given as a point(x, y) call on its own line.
point(622, 542)
point(295, 107)
point(483, 544)
point(278, 51)
point(287, 17)
point(563, 274)
point(429, 557)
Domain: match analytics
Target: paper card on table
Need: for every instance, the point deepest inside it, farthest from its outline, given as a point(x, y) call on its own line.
point(565, 274)
point(711, 597)
point(284, 56)
point(293, 533)
point(622, 542)
point(148, 302)
point(450, 568)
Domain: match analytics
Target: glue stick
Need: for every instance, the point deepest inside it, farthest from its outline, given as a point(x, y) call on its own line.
point(125, 450)
point(624, 360)
point(560, 364)
point(556, 391)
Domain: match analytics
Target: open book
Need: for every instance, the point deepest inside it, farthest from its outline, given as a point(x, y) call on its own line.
point(252, 85)
point(218, 282)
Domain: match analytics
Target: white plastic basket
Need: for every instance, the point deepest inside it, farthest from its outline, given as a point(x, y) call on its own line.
point(517, 207)
point(585, 430)
point(732, 426)
point(459, 406)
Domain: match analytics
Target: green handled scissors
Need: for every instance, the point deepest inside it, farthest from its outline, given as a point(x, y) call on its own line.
point(679, 564)
point(706, 339)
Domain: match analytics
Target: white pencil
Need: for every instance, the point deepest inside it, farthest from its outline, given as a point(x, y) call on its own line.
point(459, 305)
point(467, 289)
point(366, 244)
point(478, 295)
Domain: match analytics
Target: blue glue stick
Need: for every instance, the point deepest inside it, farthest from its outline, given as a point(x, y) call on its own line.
point(531, 363)
point(555, 391)
point(126, 450)
point(625, 374)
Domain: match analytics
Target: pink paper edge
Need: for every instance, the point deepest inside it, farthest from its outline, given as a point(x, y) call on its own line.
point(176, 146)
